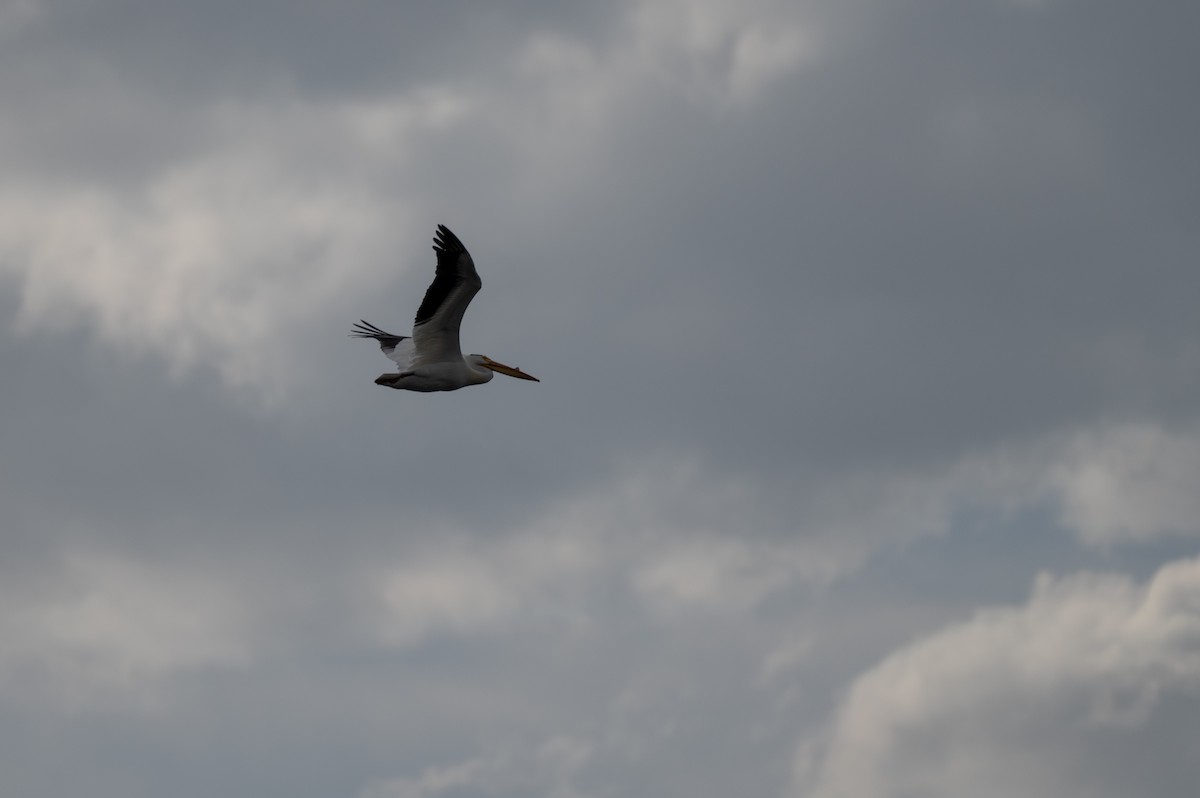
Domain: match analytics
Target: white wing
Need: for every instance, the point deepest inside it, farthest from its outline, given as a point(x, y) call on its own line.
point(435, 331)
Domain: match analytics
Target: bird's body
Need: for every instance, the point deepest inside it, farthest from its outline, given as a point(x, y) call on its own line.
point(431, 359)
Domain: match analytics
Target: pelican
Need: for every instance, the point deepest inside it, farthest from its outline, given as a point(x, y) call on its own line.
point(431, 360)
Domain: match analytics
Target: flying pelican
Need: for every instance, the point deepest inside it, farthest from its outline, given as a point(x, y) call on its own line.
point(431, 360)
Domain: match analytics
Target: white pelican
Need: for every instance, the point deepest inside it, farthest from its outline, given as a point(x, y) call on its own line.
point(431, 360)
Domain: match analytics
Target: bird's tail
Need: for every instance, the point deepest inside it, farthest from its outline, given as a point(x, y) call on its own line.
point(365, 329)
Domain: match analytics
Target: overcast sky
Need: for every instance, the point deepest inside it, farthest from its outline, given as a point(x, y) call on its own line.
point(864, 462)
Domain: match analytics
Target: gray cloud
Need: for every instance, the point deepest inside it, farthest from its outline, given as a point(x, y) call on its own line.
point(850, 319)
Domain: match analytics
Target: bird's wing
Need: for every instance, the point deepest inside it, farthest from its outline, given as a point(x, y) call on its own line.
point(397, 347)
point(435, 330)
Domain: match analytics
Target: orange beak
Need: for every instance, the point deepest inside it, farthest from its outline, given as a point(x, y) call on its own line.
point(510, 371)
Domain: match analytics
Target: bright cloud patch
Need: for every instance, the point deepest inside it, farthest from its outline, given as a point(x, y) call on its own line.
point(1020, 700)
point(210, 261)
point(718, 50)
point(116, 622)
point(1131, 483)
point(547, 768)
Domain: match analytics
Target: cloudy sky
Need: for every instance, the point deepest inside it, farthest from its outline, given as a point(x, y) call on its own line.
point(864, 462)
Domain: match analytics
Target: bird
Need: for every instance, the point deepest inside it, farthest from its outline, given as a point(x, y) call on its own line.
point(432, 359)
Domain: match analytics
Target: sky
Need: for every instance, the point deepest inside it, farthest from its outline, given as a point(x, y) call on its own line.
point(863, 464)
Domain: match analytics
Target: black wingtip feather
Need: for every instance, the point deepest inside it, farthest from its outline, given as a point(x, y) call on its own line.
point(446, 241)
point(365, 329)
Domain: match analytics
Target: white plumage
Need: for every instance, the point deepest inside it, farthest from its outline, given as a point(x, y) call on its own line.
point(432, 359)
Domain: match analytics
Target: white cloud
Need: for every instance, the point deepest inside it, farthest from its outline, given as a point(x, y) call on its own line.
point(217, 259)
point(717, 51)
point(113, 622)
point(1011, 701)
point(458, 583)
point(674, 534)
point(547, 768)
point(677, 535)
point(463, 586)
point(715, 573)
point(1130, 483)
